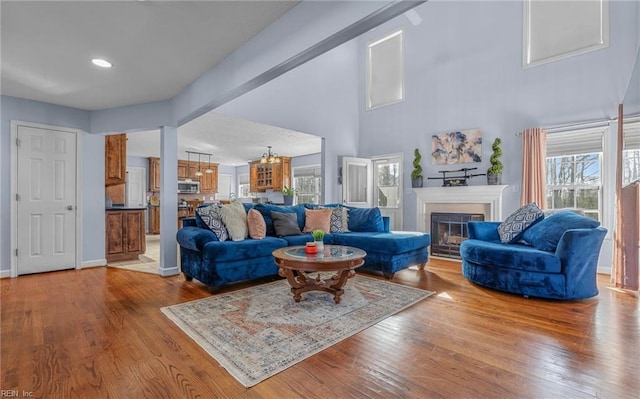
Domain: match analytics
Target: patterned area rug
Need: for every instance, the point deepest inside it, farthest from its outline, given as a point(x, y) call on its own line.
point(257, 332)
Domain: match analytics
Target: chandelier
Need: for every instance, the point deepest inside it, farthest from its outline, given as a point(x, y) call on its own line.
point(269, 157)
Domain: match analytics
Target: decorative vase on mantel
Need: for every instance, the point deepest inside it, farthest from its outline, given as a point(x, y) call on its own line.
point(494, 179)
point(416, 182)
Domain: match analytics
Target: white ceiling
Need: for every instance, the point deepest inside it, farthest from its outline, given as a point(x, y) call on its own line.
point(231, 141)
point(157, 49)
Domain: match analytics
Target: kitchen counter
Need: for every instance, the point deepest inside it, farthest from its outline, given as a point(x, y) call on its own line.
point(125, 208)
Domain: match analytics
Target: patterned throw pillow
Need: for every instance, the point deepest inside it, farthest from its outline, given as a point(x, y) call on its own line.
point(257, 226)
point(317, 219)
point(339, 220)
point(212, 217)
point(235, 220)
point(512, 229)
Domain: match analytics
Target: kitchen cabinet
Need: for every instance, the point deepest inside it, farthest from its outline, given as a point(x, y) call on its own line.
point(154, 174)
point(125, 234)
point(154, 220)
point(209, 181)
point(187, 170)
point(115, 159)
point(274, 177)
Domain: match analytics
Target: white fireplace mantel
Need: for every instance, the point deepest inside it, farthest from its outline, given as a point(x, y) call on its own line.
point(486, 195)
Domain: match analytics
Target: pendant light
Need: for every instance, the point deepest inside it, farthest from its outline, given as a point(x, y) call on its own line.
point(209, 170)
point(199, 173)
point(188, 179)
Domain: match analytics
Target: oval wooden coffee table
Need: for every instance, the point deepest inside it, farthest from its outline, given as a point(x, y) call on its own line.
point(294, 262)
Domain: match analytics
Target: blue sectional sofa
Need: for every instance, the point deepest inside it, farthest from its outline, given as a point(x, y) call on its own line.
point(555, 258)
point(216, 263)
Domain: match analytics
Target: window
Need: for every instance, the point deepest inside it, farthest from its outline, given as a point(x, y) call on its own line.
point(559, 29)
point(243, 186)
point(385, 71)
point(574, 171)
point(631, 153)
point(307, 181)
point(388, 184)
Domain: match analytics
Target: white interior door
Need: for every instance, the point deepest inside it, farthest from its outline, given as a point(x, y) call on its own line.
point(46, 200)
point(356, 182)
point(136, 186)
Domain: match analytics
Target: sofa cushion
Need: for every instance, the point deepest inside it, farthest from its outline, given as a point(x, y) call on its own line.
point(365, 219)
point(285, 224)
point(516, 256)
point(211, 218)
point(512, 229)
point(376, 242)
point(235, 220)
point(255, 224)
point(546, 235)
point(339, 221)
point(265, 210)
point(244, 250)
point(317, 219)
point(195, 238)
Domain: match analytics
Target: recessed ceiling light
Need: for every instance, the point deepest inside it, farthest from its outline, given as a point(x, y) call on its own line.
point(101, 63)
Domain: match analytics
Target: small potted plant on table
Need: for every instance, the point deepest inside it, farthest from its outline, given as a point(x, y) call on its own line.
point(318, 236)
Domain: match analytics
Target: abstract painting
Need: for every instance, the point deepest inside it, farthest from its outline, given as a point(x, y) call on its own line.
point(456, 147)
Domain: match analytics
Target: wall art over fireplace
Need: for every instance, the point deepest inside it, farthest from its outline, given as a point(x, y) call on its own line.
point(456, 147)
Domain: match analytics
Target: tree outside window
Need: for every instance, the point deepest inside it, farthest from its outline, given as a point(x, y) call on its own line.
point(574, 181)
point(388, 184)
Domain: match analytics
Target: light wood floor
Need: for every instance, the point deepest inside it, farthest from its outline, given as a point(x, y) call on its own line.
point(99, 333)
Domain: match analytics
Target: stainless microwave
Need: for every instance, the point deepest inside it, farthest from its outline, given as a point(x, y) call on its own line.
point(188, 187)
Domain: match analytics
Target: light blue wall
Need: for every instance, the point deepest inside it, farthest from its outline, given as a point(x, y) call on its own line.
point(304, 25)
point(464, 70)
point(318, 98)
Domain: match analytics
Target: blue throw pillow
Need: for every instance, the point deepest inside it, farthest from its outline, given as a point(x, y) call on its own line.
point(365, 219)
point(512, 229)
point(546, 235)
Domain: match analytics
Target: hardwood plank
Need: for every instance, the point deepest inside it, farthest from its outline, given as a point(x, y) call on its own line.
point(99, 333)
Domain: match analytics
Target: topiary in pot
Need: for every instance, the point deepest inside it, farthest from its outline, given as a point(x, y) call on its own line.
point(416, 174)
point(494, 173)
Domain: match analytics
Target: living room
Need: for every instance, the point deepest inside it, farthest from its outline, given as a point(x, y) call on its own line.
point(463, 69)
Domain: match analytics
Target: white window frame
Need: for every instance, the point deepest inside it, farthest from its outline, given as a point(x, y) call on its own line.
point(545, 24)
point(318, 194)
point(382, 81)
point(578, 141)
point(631, 145)
point(242, 184)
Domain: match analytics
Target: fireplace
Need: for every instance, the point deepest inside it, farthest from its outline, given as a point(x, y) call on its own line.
point(448, 230)
point(475, 200)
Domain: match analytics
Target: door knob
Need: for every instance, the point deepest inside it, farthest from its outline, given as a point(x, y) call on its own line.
point(69, 207)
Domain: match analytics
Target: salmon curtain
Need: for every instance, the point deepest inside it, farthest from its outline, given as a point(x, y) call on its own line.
point(534, 167)
point(617, 269)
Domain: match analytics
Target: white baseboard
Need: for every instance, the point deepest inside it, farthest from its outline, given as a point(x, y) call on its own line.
point(93, 263)
point(5, 273)
point(166, 272)
point(604, 270)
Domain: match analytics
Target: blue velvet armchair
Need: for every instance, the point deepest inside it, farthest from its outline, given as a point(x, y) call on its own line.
point(557, 258)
